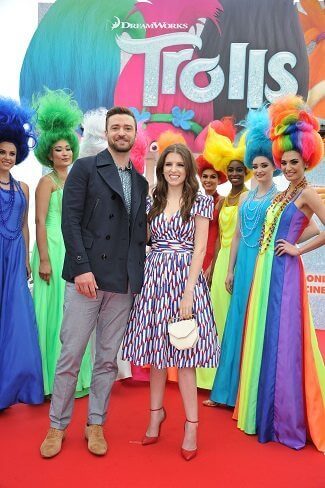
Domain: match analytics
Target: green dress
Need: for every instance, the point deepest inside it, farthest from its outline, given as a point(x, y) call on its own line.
point(220, 298)
point(49, 299)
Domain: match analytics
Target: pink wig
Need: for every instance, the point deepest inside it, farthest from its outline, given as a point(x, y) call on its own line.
point(139, 150)
point(171, 12)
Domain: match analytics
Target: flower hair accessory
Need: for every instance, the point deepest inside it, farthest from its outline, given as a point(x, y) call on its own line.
point(180, 118)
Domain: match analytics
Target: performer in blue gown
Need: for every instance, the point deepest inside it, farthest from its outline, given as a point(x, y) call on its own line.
point(244, 250)
point(20, 359)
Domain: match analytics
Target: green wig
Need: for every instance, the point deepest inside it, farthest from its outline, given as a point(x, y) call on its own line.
point(57, 117)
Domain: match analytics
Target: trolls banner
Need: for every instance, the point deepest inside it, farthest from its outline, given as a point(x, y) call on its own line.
point(182, 63)
point(178, 63)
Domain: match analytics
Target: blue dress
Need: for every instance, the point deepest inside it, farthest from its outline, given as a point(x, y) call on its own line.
point(252, 215)
point(20, 359)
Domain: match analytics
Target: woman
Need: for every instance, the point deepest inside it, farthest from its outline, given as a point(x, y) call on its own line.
point(20, 359)
point(174, 286)
point(244, 249)
point(57, 118)
point(210, 179)
point(282, 383)
point(228, 158)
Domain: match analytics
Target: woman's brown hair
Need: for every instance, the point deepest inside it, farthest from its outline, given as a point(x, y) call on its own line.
point(190, 188)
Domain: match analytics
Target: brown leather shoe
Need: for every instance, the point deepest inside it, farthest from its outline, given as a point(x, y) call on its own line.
point(96, 440)
point(52, 443)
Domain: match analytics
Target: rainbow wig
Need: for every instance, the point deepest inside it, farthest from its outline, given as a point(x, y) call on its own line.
point(220, 151)
point(258, 142)
point(93, 138)
point(58, 115)
point(15, 127)
point(295, 128)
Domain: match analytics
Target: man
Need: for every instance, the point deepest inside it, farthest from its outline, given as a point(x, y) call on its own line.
point(104, 229)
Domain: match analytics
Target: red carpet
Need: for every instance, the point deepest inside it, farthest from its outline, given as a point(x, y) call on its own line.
point(227, 457)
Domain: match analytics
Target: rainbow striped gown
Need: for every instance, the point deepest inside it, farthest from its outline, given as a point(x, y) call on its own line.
point(282, 384)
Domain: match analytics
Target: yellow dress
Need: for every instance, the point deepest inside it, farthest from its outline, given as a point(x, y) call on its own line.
point(219, 296)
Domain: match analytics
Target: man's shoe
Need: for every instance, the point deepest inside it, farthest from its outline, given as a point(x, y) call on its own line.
point(96, 441)
point(52, 443)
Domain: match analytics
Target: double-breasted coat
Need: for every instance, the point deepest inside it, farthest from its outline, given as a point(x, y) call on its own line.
point(99, 234)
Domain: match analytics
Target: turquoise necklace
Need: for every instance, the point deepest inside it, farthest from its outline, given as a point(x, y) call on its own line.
point(251, 213)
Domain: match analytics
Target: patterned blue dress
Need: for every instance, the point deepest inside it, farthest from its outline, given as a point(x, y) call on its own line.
point(167, 265)
point(226, 381)
point(20, 358)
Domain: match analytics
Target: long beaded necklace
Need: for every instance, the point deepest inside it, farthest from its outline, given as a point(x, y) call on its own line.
point(251, 214)
point(277, 206)
point(6, 209)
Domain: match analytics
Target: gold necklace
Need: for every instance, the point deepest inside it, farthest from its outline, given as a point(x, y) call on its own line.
point(57, 180)
point(233, 197)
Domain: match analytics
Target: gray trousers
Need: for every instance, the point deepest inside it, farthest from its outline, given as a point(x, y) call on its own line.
point(108, 313)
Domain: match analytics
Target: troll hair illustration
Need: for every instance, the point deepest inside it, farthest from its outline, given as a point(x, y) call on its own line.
point(172, 110)
point(74, 48)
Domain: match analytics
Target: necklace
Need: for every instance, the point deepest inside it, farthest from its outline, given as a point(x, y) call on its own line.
point(59, 189)
point(251, 214)
point(5, 182)
point(276, 208)
point(56, 179)
point(6, 209)
point(233, 197)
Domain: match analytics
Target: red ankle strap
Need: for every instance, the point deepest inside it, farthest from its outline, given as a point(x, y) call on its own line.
point(156, 409)
point(192, 421)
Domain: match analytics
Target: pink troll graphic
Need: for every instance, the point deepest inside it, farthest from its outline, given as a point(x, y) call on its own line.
point(169, 20)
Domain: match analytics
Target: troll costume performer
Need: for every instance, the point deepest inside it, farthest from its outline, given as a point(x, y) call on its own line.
point(58, 115)
point(20, 358)
point(282, 384)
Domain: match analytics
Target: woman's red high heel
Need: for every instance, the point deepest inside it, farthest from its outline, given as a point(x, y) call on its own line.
point(188, 455)
point(147, 440)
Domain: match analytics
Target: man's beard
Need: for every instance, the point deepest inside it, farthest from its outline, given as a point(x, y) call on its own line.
point(119, 149)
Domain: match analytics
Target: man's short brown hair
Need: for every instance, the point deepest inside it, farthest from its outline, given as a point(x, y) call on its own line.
point(120, 111)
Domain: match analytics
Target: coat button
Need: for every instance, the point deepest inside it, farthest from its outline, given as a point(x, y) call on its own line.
point(140, 224)
point(78, 258)
point(104, 256)
point(113, 197)
point(111, 216)
point(141, 243)
point(108, 237)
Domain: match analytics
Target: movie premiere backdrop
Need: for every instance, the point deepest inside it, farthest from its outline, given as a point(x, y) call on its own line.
point(179, 64)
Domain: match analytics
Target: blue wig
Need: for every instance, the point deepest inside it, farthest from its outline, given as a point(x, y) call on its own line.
point(74, 47)
point(15, 127)
point(258, 143)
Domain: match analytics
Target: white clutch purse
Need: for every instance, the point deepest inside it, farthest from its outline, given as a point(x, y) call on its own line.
point(183, 334)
